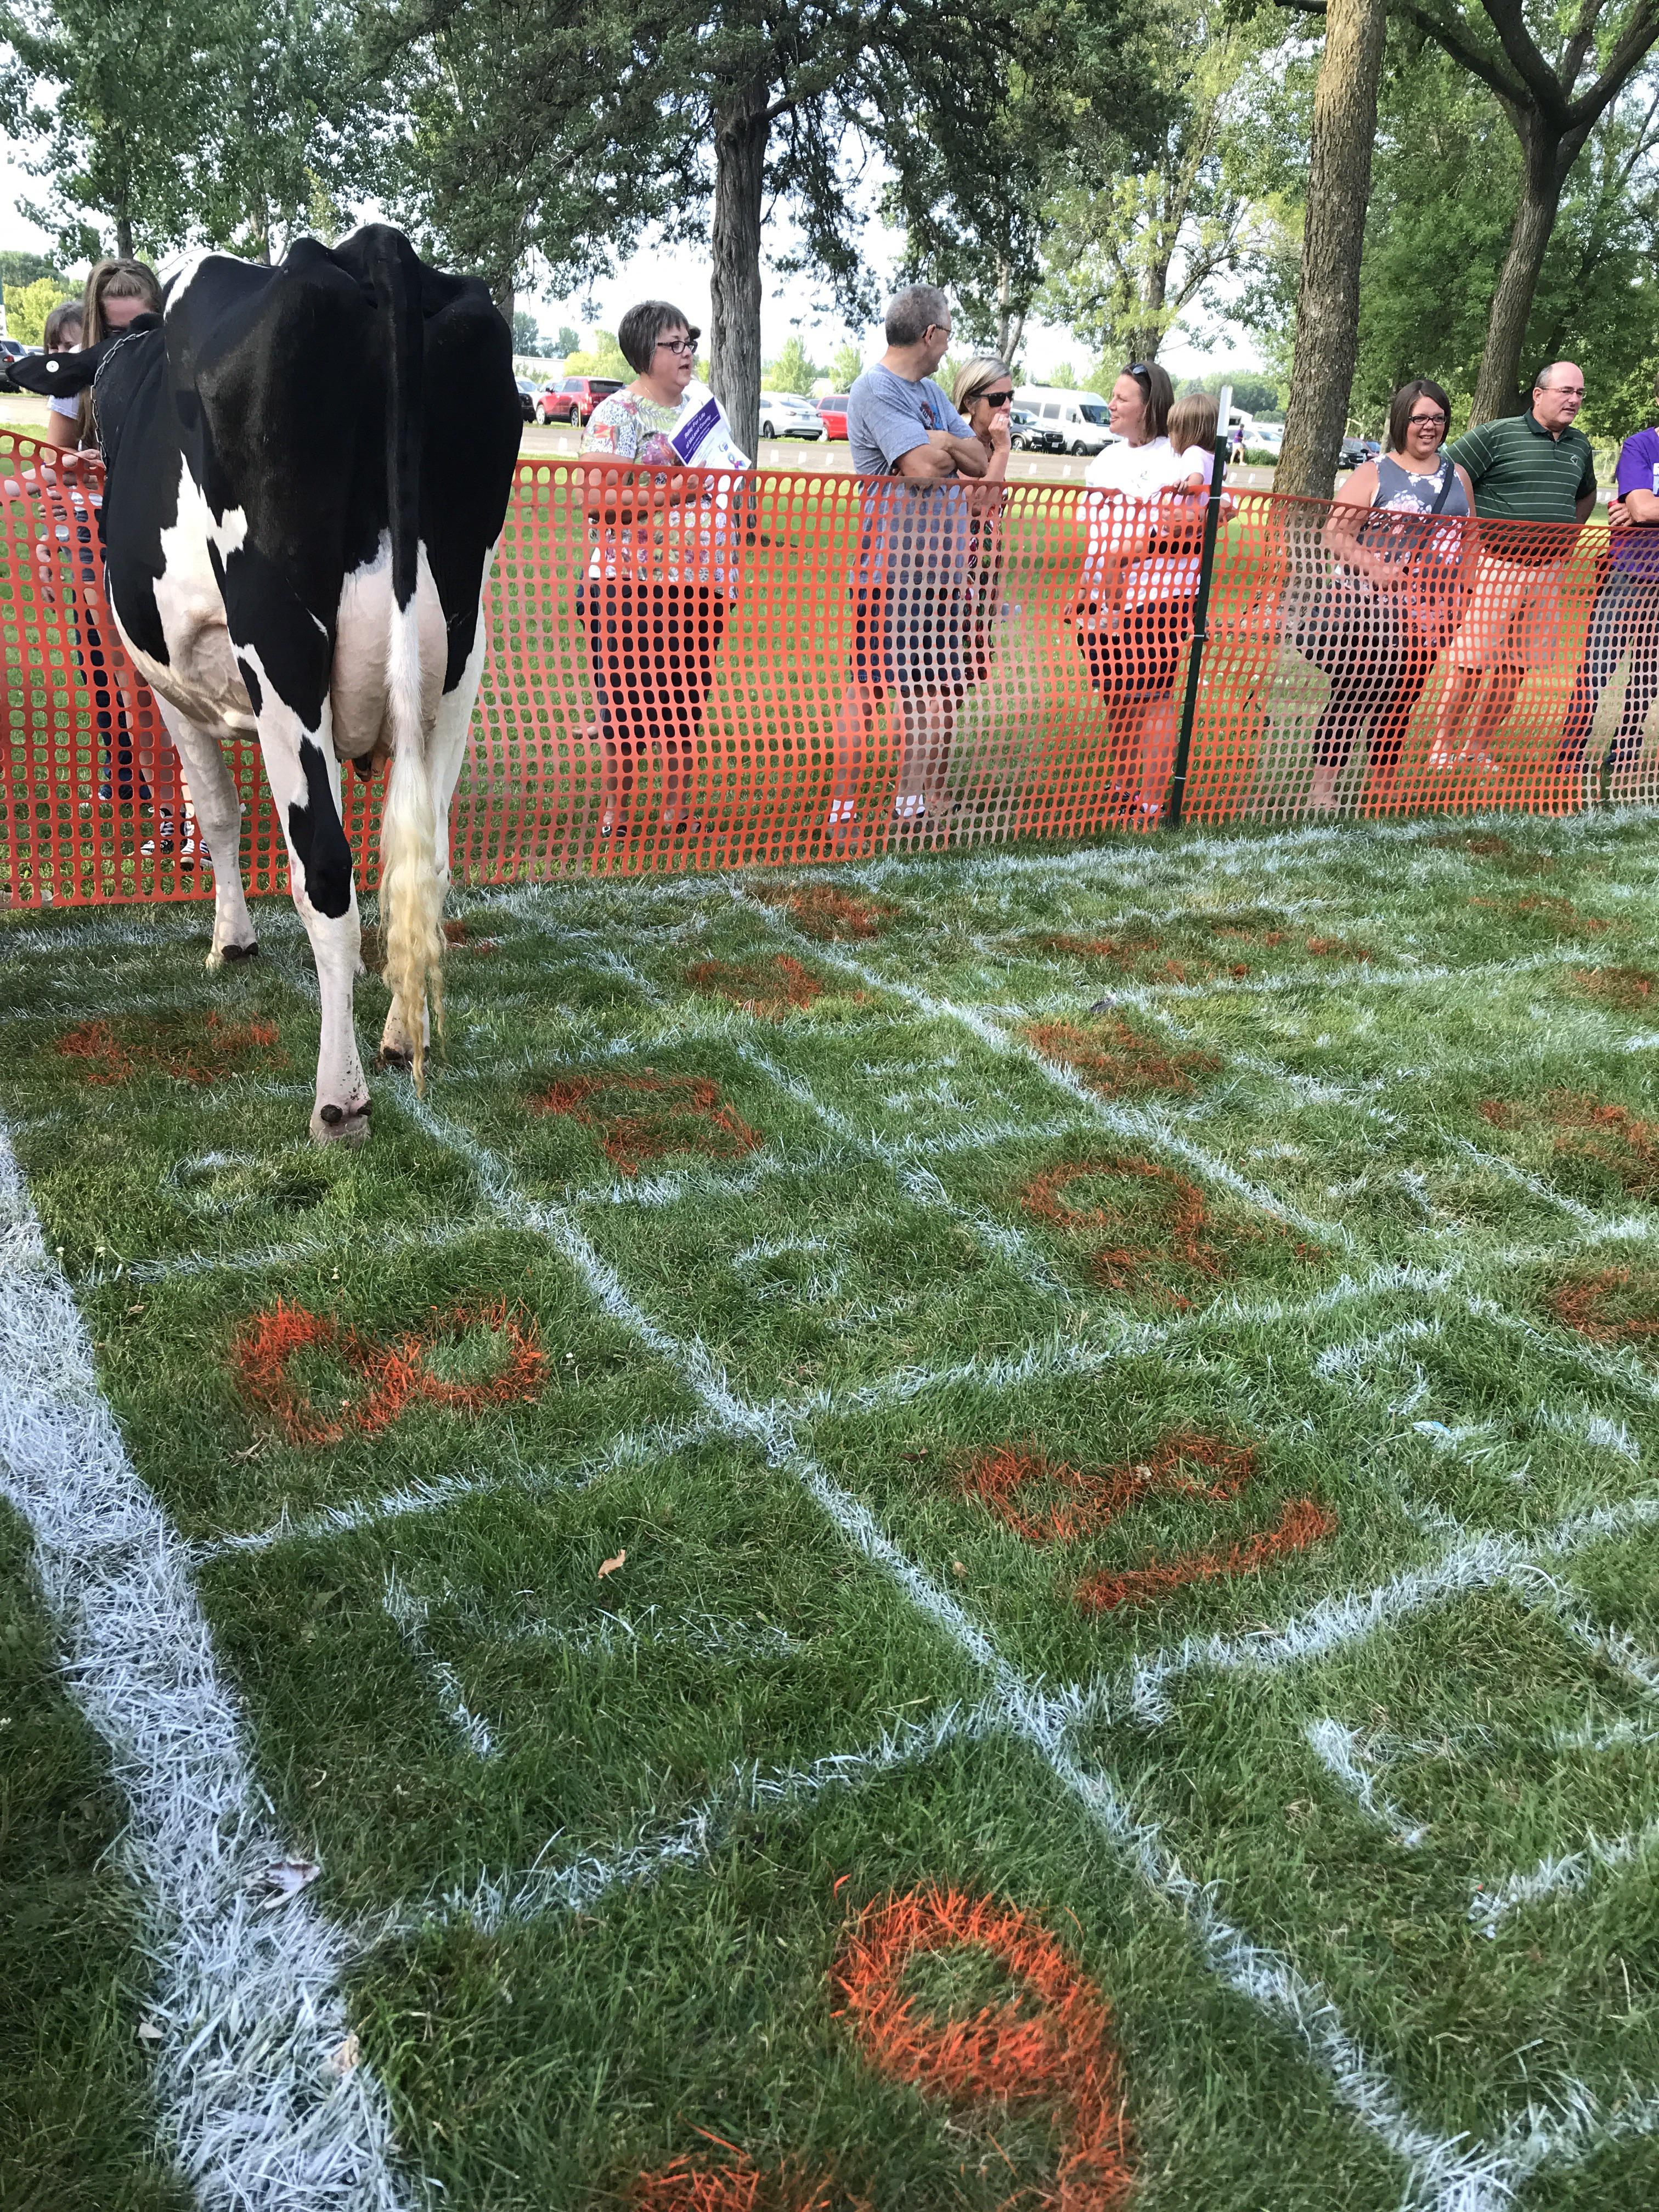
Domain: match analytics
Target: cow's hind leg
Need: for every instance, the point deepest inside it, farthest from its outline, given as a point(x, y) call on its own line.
point(305, 782)
point(219, 814)
point(446, 750)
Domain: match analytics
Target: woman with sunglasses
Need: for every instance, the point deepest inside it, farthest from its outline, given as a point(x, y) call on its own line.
point(1135, 609)
point(659, 581)
point(1399, 534)
point(983, 395)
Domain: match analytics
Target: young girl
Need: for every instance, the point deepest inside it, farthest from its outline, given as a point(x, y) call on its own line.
point(1192, 422)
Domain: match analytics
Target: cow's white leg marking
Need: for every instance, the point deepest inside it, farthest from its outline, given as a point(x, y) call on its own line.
point(340, 1114)
point(219, 812)
point(444, 752)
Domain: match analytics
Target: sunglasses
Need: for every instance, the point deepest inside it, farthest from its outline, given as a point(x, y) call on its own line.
point(1141, 373)
point(993, 398)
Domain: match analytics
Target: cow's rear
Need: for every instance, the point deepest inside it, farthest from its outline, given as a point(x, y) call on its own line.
point(309, 473)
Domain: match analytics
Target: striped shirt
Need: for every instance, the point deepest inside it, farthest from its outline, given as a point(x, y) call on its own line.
point(1522, 474)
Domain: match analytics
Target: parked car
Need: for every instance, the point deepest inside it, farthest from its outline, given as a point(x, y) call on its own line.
point(1027, 435)
point(834, 412)
point(527, 398)
point(783, 414)
point(13, 348)
point(1354, 450)
point(573, 398)
point(1081, 417)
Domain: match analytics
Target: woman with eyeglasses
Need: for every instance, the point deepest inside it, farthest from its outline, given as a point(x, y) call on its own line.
point(662, 569)
point(1400, 534)
point(1135, 609)
point(983, 395)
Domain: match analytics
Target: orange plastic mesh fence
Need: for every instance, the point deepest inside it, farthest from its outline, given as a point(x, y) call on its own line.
point(783, 666)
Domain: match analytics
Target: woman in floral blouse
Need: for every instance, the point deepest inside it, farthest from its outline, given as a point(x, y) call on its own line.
point(661, 571)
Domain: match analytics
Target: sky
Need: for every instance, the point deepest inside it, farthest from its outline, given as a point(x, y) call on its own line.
point(789, 303)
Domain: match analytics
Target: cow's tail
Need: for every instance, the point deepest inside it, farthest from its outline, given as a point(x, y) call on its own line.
point(411, 895)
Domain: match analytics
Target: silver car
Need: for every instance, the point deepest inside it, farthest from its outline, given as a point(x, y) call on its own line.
point(783, 414)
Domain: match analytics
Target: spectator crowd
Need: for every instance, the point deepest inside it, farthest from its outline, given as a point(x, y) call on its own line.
point(1430, 555)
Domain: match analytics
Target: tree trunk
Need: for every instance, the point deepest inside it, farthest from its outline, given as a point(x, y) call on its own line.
point(1338, 189)
point(1011, 316)
point(741, 130)
point(123, 235)
point(1546, 160)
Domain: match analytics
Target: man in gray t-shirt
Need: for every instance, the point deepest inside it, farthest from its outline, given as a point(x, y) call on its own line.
point(911, 615)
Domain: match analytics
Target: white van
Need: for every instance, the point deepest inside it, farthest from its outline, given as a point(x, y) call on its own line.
point(1080, 419)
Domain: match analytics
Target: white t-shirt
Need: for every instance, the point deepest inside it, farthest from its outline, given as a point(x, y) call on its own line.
point(1138, 474)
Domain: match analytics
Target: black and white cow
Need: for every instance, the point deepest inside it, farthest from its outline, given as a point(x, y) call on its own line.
point(309, 468)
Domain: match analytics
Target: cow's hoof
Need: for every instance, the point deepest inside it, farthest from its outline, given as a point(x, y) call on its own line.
point(340, 1125)
point(242, 951)
point(397, 1055)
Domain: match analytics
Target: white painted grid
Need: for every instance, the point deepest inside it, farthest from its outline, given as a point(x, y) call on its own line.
point(1448, 2174)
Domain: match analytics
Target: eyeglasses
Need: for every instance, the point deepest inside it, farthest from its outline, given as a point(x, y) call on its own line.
point(1438, 415)
point(686, 347)
point(1141, 373)
point(993, 398)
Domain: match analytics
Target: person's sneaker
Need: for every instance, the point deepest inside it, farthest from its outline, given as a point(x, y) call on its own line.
point(184, 847)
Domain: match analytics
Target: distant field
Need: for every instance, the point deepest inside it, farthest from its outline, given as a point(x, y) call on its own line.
point(952, 1534)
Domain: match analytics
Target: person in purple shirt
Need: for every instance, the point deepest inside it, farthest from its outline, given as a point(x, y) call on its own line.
point(1626, 616)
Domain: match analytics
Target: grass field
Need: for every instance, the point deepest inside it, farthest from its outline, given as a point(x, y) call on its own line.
point(961, 1533)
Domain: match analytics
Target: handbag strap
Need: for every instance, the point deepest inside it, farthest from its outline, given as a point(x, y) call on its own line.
point(1444, 492)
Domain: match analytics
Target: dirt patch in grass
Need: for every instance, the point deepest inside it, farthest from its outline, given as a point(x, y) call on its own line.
point(1630, 989)
point(1300, 1524)
point(769, 988)
point(1183, 1464)
point(1541, 906)
point(1588, 1128)
point(1116, 1061)
point(381, 1379)
point(1485, 845)
point(1091, 1499)
point(1619, 1305)
point(638, 1118)
point(826, 912)
point(219, 1048)
point(1337, 948)
point(1114, 1261)
point(1124, 953)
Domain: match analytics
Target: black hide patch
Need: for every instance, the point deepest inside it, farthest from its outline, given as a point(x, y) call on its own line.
point(256, 697)
point(315, 833)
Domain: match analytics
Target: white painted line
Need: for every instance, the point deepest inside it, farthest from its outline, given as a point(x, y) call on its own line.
point(502, 1900)
point(634, 1448)
point(1444, 2171)
point(1568, 1875)
point(248, 1999)
point(1472, 1563)
point(1341, 1752)
point(409, 1613)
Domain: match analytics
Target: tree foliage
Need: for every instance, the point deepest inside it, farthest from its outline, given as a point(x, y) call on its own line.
point(1443, 187)
point(1126, 257)
point(156, 122)
point(547, 141)
point(794, 370)
point(28, 306)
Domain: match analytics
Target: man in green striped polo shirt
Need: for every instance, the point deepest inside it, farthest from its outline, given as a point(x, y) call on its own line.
point(1534, 467)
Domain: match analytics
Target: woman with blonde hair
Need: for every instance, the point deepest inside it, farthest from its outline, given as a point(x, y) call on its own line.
point(983, 395)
